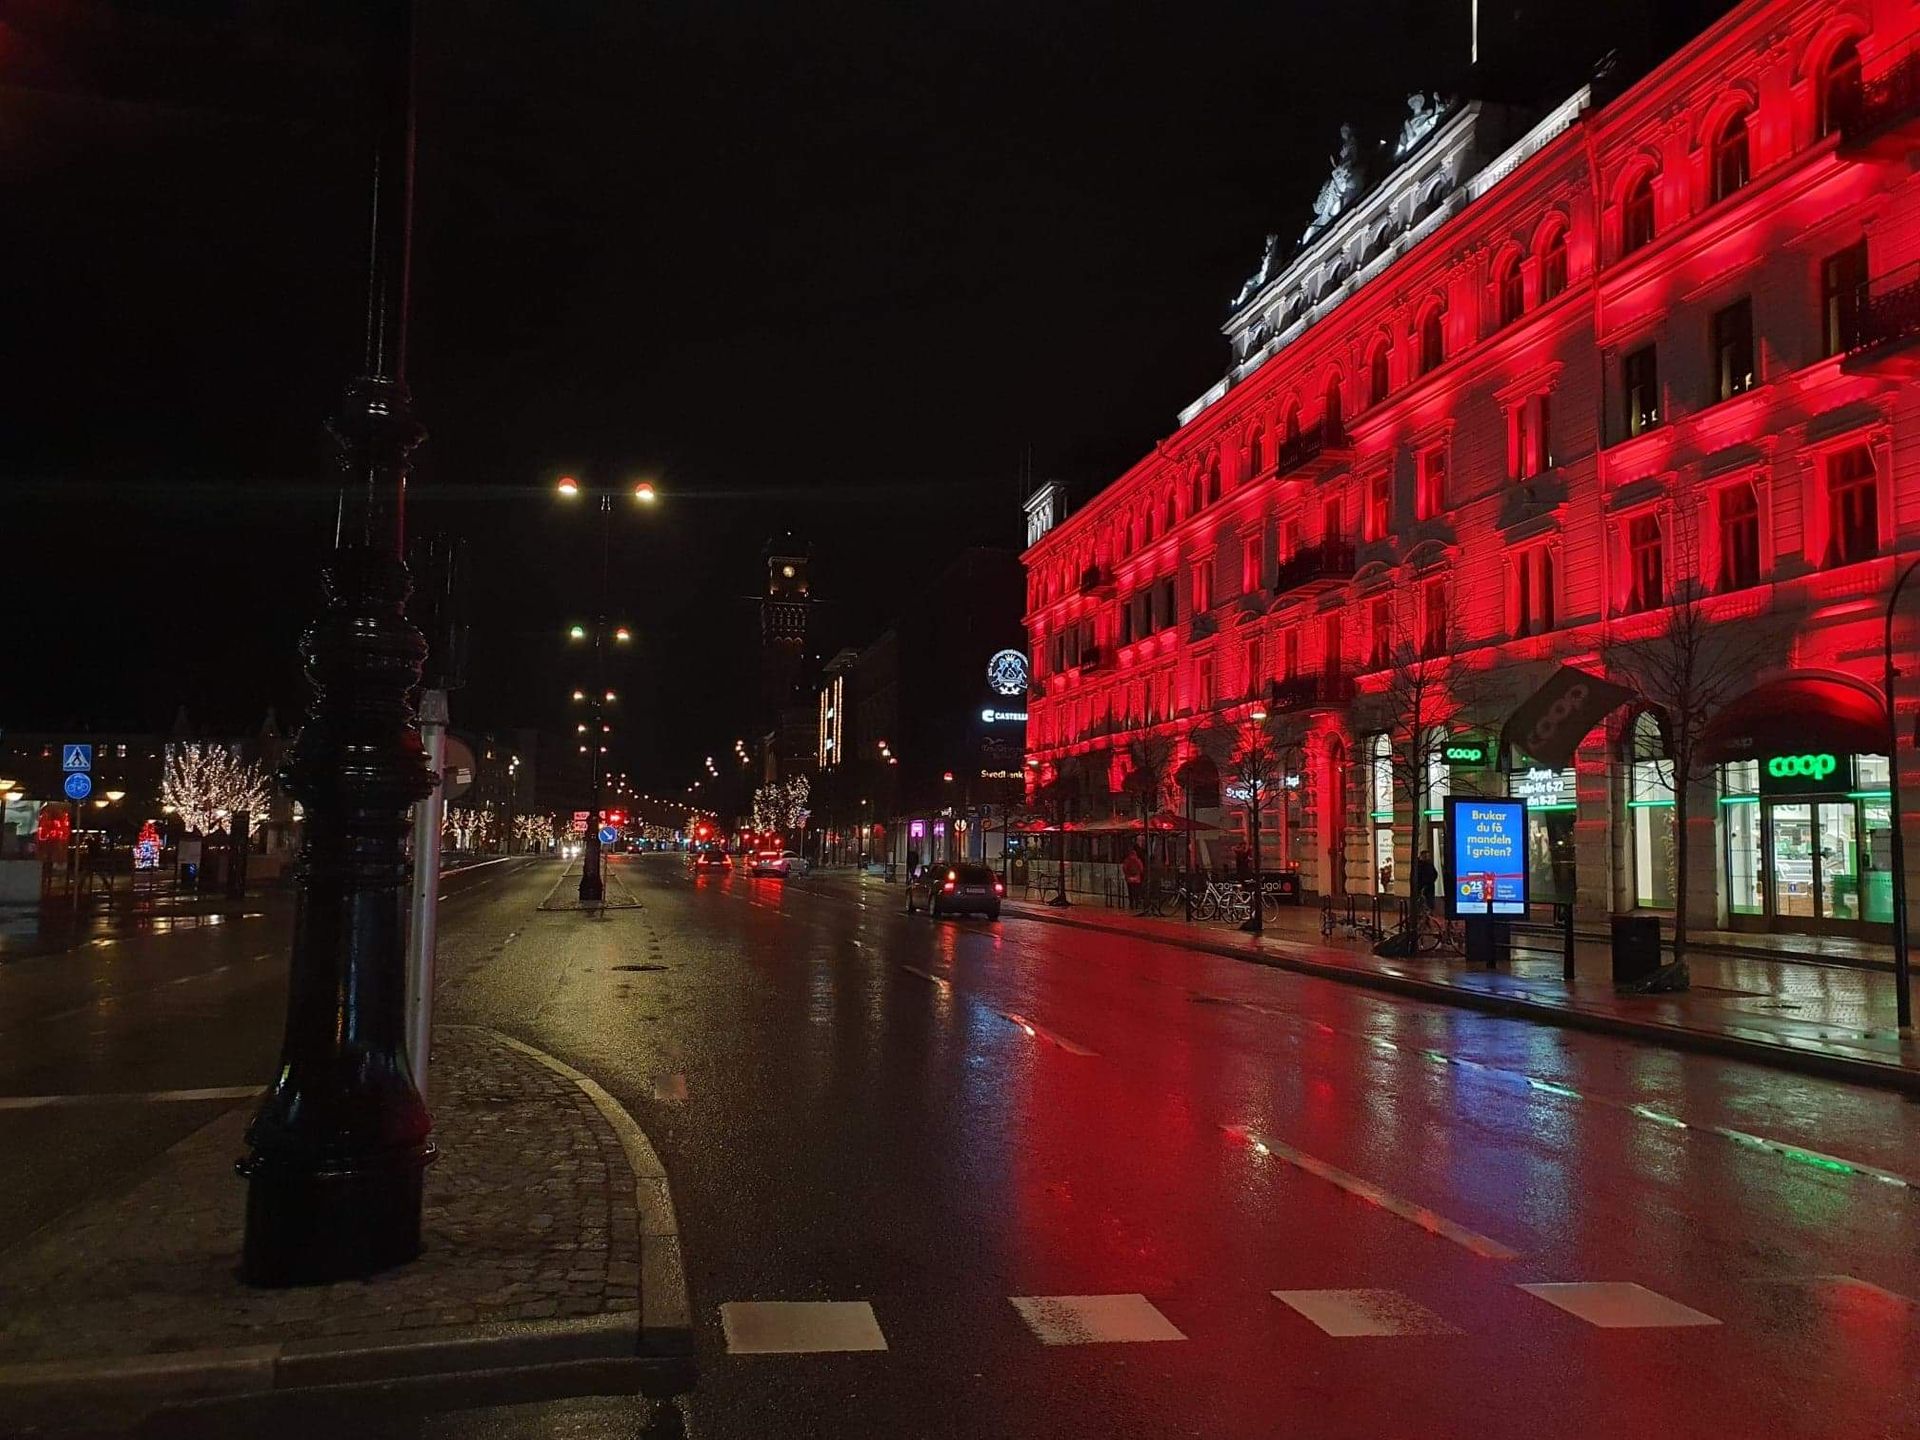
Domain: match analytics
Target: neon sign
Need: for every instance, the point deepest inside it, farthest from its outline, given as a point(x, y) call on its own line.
point(1812, 767)
point(1467, 754)
point(1815, 772)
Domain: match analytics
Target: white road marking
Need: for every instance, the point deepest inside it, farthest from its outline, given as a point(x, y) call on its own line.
point(1093, 1319)
point(1618, 1305)
point(1365, 1312)
point(1042, 1033)
point(941, 981)
point(1426, 1219)
point(145, 1097)
point(1850, 1290)
point(799, 1327)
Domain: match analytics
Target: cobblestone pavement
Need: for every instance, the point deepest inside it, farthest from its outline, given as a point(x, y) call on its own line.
point(530, 1215)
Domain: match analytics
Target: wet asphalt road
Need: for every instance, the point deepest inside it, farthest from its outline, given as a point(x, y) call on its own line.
point(936, 1118)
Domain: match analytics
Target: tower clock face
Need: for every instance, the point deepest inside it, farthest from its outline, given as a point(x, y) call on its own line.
point(1007, 672)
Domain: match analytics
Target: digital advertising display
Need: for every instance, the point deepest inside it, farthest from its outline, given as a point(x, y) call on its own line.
point(1486, 856)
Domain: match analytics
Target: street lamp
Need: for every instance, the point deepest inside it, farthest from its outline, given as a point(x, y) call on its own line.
point(1902, 957)
point(339, 1146)
point(1255, 770)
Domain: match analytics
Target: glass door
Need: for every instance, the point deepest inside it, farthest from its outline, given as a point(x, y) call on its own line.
point(1838, 861)
point(1790, 877)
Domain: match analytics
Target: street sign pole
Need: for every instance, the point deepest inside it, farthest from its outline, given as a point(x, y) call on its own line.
point(424, 918)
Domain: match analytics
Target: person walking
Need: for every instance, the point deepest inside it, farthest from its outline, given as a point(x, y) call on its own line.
point(1134, 870)
point(1425, 877)
point(1243, 864)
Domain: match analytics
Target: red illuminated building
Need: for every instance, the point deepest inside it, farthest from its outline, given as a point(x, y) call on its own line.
point(1506, 407)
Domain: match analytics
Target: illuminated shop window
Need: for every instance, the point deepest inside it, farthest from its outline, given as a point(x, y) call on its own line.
point(1650, 811)
point(1380, 804)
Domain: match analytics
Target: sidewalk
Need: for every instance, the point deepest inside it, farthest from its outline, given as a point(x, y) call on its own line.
point(1835, 1020)
point(550, 1239)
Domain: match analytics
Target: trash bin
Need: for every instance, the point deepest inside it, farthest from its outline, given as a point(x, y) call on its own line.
point(1636, 947)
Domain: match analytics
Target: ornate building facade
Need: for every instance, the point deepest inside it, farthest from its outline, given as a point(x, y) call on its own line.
point(1561, 389)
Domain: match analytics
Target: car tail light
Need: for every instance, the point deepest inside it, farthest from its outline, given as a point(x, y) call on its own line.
point(998, 888)
point(947, 886)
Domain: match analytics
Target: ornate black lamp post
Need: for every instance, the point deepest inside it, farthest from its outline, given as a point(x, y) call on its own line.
point(1259, 759)
point(339, 1148)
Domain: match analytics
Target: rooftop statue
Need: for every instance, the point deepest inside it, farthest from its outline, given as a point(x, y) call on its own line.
point(1423, 113)
point(1341, 186)
point(1259, 277)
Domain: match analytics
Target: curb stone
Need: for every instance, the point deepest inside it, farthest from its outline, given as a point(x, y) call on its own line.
point(1758, 1052)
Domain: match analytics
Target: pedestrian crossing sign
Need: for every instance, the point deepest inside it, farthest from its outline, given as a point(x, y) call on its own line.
point(77, 757)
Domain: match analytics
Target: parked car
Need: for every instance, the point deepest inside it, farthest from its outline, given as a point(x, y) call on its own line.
point(958, 889)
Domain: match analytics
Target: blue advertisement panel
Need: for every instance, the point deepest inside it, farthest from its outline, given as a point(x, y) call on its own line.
point(1486, 856)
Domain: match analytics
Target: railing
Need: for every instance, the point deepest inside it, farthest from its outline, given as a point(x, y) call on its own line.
point(1303, 692)
point(1310, 444)
point(1891, 94)
point(1889, 307)
point(1329, 560)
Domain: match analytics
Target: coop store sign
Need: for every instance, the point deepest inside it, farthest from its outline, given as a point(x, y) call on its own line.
point(1465, 754)
point(1817, 771)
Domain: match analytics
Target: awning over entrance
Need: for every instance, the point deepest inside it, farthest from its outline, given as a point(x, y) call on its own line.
point(1796, 714)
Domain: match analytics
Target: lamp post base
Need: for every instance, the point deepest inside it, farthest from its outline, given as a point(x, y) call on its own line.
point(313, 1227)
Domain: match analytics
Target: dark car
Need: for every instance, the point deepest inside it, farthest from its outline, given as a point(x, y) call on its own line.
point(714, 859)
point(959, 889)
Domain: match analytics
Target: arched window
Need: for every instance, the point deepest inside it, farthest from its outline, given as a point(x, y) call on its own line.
point(1334, 416)
point(1199, 492)
point(1636, 213)
point(1730, 155)
point(1376, 245)
point(1838, 95)
point(1173, 517)
point(1509, 290)
point(1213, 480)
point(1433, 338)
point(1256, 452)
point(1553, 264)
point(1378, 378)
point(1290, 427)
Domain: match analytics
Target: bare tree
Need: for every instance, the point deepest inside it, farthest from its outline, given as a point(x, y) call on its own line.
point(1150, 765)
point(1686, 667)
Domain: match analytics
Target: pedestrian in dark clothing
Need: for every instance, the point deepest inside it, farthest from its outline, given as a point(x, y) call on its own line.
point(1243, 864)
point(1425, 877)
point(1134, 870)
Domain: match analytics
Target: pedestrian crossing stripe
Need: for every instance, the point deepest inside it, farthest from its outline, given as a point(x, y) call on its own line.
point(1094, 1319)
point(1347, 1313)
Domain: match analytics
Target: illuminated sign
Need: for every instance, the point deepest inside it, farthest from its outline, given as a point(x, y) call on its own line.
point(1465, 754)
point(1486, 856)
point(1007, 672)
point(995, 717)
point(1817, 772)
point(1539, 787)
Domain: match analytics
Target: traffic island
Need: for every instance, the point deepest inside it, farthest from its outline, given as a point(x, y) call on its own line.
point(550, 1245)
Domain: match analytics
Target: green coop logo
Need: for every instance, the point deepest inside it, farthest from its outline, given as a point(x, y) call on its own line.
point(1802, 767)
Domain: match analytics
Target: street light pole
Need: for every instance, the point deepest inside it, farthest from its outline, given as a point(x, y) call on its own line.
point(1902, 960)
point(339, 1148)
point(1256, 772)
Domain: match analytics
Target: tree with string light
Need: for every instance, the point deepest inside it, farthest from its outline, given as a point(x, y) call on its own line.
point(208, 784)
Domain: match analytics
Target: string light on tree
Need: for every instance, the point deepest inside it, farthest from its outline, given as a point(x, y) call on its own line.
point(207, 784)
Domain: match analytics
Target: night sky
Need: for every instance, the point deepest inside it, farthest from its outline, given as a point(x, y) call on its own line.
point(837, 267)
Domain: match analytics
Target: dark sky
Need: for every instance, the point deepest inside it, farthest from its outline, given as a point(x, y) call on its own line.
point(833, 266)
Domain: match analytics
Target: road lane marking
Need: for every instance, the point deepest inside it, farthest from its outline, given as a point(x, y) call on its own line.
point(1797, 1154)
point(1094, 1319)
point(1428, 1220)
point(144, 1097)
point(941, 981)
point(799, 1327)
point(1348, 1313)
point(1040, 1032)
point(1618, 1305)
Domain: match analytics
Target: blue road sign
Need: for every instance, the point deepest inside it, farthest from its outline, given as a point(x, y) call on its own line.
point(79, 785)
point(608, 834)
point(76, 757)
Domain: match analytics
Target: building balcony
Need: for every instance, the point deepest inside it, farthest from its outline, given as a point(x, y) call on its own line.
point(1314, 452)
point(1317, 690)
point(1095, 581)
point(1328, 563)
point(1887, 321)
point(1882, 118)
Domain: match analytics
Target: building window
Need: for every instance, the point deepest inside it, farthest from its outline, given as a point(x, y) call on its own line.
point(1636, 214)
point(1290, 426)
point(1172, 515)
point(1380, 632)
point(1530, 437)
point(1433, 617)
point(1199, 493)
point(1255, 672)
point(1853, 510)
point(1433, 339)
point(1334, 415)
point(1287, 539)
point(1250, 564)
point(1203, 685)
point(1843, 282)
point(1640, 389)
point(1331, 529)
point(1839, 93)
point(1553, 265)
point(1533, 598)
point(1202, 587)
point(1739, 526)
point(1733, 350)
point(1168, 602)
point(1332, 643)
point(1509, 290)
point(1646, 563)
point(1430, 482)
point(1213, 481)
point(1650, 808)
point(1256, 452)
point(1378, 379)
point(1379, 506)
point(1730, 155)
point(1380, 806)
point(1289, 652)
